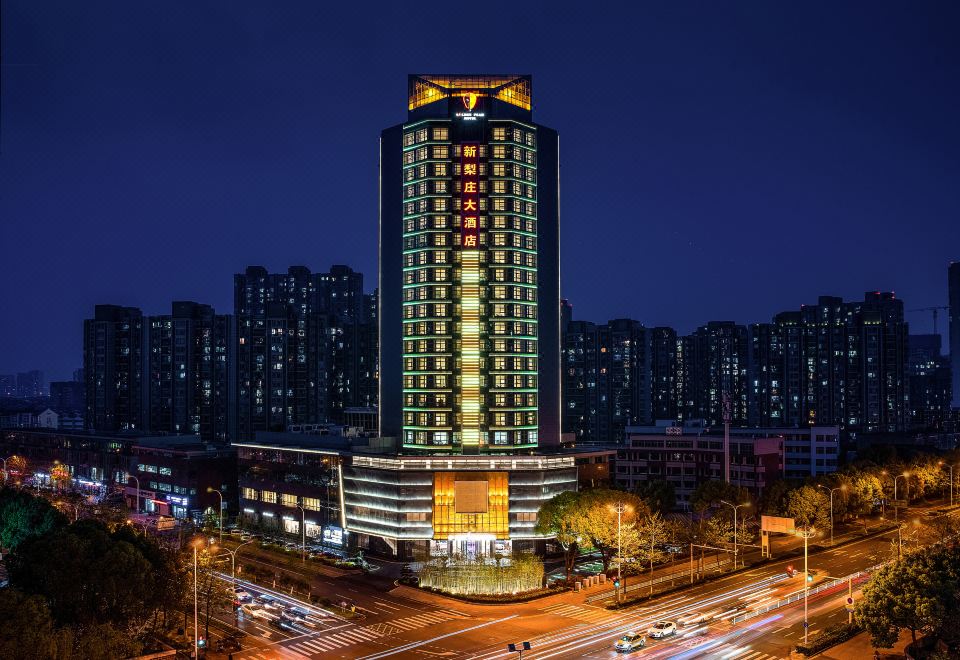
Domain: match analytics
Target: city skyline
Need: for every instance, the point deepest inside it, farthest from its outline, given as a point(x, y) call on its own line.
point(836, 172)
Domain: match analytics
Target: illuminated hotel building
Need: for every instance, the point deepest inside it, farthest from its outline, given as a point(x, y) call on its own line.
point(469, 326)
point(469, 270)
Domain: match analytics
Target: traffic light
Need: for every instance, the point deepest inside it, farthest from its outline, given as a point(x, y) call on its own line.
point(616, 583)
point(201, 642)
point(809, 577)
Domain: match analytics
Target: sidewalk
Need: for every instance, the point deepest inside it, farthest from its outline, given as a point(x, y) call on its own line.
point(860, 648)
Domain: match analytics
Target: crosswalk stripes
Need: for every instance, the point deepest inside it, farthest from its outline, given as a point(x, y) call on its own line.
point(336, 640)
point(733, 652)
point(358, 635)
point(576, 612)
point(424, 619)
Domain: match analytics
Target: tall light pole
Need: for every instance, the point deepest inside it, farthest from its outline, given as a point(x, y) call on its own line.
point(807, 533)
point(896, 504)
point(196, 617)
point(210, 489)
point(130, 476)
point(233, 569)
point(303, 534)
point(831, 491)
point(620, 508)
point(734, 507)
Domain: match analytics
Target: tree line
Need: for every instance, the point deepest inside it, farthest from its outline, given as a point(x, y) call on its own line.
point(651, 529)
point(82, 590)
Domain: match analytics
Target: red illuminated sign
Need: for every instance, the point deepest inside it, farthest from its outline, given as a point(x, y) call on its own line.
point(470, 196)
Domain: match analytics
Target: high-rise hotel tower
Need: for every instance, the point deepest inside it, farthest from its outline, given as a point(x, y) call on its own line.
point(469, 270)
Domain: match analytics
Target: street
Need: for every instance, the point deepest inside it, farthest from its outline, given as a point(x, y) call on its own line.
point(403, 622)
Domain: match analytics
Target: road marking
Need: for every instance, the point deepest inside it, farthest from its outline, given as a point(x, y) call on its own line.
point(414, 645)
point(389, 607)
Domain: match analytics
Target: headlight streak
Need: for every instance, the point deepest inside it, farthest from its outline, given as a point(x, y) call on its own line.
point(668, 610)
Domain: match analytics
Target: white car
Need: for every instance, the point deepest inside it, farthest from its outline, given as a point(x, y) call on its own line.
point(630, 642)
point(256, 611)
point(692, 618)
point(662, 629)
point(240, 594)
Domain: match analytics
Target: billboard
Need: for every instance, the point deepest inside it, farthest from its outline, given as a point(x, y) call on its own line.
point(777, 525)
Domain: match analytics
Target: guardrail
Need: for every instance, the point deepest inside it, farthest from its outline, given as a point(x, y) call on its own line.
point(794, 597)
point(671, 577)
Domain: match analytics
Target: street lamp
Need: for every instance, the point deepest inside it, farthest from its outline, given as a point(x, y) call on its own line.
point(620, 507)
point(303, 534)
point(807, 533)
point(734, 507)
point(211, 489)
point(896, 504)
point(196, 617)
point(130, 476)
point(831, 490)
point(233, 569)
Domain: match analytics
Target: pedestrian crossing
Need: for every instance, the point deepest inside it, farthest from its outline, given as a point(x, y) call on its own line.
point(726, 651)
point(588, 614)
point(325, 643)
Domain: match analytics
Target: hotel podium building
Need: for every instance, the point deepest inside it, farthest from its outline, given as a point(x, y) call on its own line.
point(469, 326)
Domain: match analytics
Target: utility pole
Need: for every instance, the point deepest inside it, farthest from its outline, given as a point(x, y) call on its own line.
point(726, 437)
point(806, 534)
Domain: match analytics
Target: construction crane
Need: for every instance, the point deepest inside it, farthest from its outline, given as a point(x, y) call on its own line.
point(934, 310)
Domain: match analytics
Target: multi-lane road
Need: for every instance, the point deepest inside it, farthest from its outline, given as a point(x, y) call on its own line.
point(399, 622)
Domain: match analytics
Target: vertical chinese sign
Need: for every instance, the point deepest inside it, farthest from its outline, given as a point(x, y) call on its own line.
point(470, 197)
point(470, 394)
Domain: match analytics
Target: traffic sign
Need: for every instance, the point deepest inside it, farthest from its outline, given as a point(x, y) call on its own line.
point(850, 600)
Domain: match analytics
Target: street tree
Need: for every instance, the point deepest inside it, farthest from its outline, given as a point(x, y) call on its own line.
point(710, 493)
point(558, 518)
point(23, 516)
point(596, 520)
point(919, 593)
point(60, 476)
point(809, 507)
point(659, 494)
point(26, 628)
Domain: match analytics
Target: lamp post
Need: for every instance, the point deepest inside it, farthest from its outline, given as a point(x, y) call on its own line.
point(734, 507)
point(807, 533)
point(130, 476)
point(196, 617)
point(303, 534)
point(831, 491)
point(233, 570)
point(896, 504)
point(210, 489)
point(620, 508)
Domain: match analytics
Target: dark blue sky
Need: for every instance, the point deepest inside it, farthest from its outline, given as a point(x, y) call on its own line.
point(719, 160)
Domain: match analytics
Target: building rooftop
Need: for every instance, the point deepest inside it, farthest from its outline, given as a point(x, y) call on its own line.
point(426, 88)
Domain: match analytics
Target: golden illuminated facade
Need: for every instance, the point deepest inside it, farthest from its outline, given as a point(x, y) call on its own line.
point(470, 267)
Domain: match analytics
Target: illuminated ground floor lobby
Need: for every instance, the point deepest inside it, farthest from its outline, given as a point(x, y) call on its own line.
point(466, 508)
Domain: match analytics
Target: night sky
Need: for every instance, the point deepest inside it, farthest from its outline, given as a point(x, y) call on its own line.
point(719, 160)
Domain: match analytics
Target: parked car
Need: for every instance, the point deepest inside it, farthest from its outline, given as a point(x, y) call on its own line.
point(236, 532)
point(662, 629)
point(630, 642)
